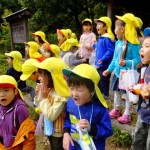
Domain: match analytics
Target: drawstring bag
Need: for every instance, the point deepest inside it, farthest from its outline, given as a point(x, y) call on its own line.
point(127, 79)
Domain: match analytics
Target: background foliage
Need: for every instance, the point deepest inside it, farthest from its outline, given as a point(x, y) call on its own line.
point(49, 15)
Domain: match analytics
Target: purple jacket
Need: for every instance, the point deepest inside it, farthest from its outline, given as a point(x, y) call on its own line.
point(11, 118)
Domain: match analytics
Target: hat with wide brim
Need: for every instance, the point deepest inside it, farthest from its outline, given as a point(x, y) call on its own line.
point(108, 22)
point(63, 32)
point(89, 72)
point(7, 81)
point(54, 66)
point(33, 49)
point(28, 69)
point(130, 27)
point(17, 59)
point(41, 34)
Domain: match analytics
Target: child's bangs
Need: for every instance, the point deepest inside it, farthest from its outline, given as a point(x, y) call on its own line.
point(75, 80)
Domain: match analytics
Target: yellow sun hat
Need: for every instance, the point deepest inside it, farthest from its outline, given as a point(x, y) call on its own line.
point(130, 27)
point(33, 49)
point(87, 20)
point(17, 59)
point(69, 32)
point(69, 43)
point(7, 81)
point(89, 72)
point(63, 32)
point(41, 34)
point(140, 24)
point(54, 66)
point(54, 48)
point(28, 68)
point(108, 22)
point(73, 35)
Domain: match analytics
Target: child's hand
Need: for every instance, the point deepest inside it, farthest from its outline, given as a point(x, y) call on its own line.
point(100, 62)
point(106, 73)
point(145, 91)
point(44, 91)
point(67, 140)
point(37, 88)
point(84, 124)
point(122, 62)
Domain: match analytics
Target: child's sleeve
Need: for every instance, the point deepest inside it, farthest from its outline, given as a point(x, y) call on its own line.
point(103, 128)
point(52, 111)
point(22, 113)
point(67, 124)
point(109, 45)
point(73, 61)
point(112, 65)
point(135, 54)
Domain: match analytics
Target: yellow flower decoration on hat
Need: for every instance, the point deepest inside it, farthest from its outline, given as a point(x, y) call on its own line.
point(108, 22)
point(54, 66)
point(41, 34)
point(89, 72)
point(28, 68)
point(130, 27)
point(17, 60)
point(6, 81)
point(33, 50)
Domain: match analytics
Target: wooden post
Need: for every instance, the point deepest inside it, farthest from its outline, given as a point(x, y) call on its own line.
point(109, 8)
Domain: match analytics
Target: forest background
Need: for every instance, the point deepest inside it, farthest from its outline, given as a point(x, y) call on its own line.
point(50, 15)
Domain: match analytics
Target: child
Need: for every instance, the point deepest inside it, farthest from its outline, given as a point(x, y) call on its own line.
point(39, 37)
point(104, 49)
point(86, 109)
point(69, 49)
point(31, 50)
point(16, 128)
point(141, 135)
point(125, 30)
point(87, 39)
point(52, 94)
point(52, 50)
point(15, 70)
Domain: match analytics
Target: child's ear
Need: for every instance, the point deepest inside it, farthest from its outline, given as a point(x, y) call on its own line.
point(16, 91)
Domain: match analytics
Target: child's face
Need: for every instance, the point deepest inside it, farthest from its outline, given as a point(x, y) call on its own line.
point(34, 76)
point(10, 61)
point(80, 94)
point(101, 29)
point(119, 30)
point(36, 39)
point(61, 38)
point(86, 28)
point(7, 95)
point(145, 51)
point(27, 49)
point(43, 78)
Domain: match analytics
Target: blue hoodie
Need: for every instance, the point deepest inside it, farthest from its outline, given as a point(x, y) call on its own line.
point(101, 127)
point(104, 51)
